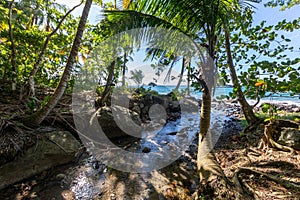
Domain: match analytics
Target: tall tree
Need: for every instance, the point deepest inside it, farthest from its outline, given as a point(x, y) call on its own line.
point(192, 17)
point(202, 20)
point(181, 74)
point(43, 51)
point(13, 48)
point(36, 118)
point(249, 114)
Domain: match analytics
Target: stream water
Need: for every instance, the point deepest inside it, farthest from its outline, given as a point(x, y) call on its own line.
point(89, 179)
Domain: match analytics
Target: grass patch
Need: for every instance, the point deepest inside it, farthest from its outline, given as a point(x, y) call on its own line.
point(281, 115)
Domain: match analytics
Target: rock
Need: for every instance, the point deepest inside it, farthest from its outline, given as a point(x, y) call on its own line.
point(146, 150)
point(117, 121)
point(172, 133)
point(290, 137)
point(113, 197)
point(68, 195)
point(137, 109)
point(296, 109)
point(54, 149)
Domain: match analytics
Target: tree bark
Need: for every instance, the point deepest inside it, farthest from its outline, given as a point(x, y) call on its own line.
point(180, 75)
point(124, 70)
point(109, 83)
point(43, 51)
point(251, 118)
point(13, 49)
point(36, 118)
point(207, 164)
point(115, 4)
point(189, 78)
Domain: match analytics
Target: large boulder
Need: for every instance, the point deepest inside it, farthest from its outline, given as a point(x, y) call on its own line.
point(117, 121)
point(53, 149)
point(290, 137)
point(142, 105)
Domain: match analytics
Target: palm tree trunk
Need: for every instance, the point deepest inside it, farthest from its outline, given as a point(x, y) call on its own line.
point(181, 75)
point(207, 164)
point(36, 118)
point(13, 49)
point(115, 4)
point(189, 78)
point(43, 51)
point(109, 83)
point(124, 70)
point(251, 118)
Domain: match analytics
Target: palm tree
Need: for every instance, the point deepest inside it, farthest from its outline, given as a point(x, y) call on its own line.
point(203, 17)
point(43, 51)
point(204, 21)
point(36, 118)
point(181, 74)
point(196, 18)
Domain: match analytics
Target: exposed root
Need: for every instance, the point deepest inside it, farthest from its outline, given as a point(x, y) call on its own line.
point(271, 131)
point(244, 186)
point(13, 140)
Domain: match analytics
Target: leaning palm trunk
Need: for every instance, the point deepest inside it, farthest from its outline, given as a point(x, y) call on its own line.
point(36, 118)
point(42, 53)
point(124, 70)
point(206, 160)
point(189, 78)
point(207, 164)
point(180, 75)
point(251, 118)
point(109, 83)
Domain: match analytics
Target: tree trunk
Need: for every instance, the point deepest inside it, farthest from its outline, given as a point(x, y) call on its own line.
point(13, 49)
point(251, 118)
point(36, 118)
point(189, 78)
point(43, 51)
point(48, 24)
point(115, 4)
point(109, 83)
point(207, 164)
point(124, 70)
point(181, 75)
point(206, 161)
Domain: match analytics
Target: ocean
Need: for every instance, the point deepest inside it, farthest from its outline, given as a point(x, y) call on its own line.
point(274, 98)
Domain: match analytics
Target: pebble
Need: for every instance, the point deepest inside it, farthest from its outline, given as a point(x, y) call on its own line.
point(146, 150)
point(68, 195)
point(113, 197)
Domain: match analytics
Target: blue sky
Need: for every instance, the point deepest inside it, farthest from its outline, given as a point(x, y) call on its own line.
point(272, 15)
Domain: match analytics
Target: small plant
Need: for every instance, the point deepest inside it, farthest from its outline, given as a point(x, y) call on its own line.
point(32, 104)
point(270, 109)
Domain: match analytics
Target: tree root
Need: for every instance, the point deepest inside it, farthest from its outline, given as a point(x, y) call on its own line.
point(270, 131)
point(242, 186)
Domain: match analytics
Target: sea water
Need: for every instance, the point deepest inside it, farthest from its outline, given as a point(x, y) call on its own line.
point(285, 98)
